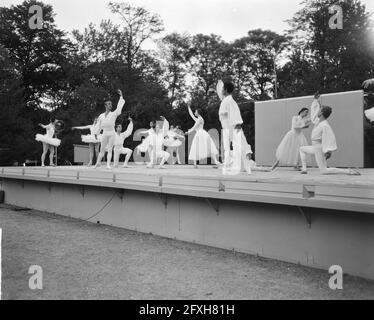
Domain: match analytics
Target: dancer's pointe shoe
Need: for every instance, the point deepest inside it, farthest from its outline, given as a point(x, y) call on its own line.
point(97, 165)
point(43, 165)
point(108, 167)
point(89, 164)
point(126, 166)
point(353, 172)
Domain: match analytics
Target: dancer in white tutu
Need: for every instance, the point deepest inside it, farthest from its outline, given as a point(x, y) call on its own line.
point(288, 151)
point(173, 141)
point(156, 145)
point(118, 144)
point(202, 146)
point(92, 139)
point(323, 144)
point(48, 141)
point(106, 122)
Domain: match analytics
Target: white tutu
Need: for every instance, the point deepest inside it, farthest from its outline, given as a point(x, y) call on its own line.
point(172, 142)
point(90, 138)
point(370, 114)
point(51, 141)
point(202, 146)
point(288, 151)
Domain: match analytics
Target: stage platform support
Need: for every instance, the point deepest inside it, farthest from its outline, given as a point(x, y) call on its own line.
point(258, 219)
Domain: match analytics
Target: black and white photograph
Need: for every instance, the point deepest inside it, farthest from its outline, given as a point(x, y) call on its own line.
point(186, 155)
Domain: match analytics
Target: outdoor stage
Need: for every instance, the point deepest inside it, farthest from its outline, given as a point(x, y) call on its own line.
point(313, 220)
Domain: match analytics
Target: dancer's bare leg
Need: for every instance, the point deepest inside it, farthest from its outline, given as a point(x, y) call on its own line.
point(275, 165)
point(51, 155)
point(45, 150)
point(91, 147)
point(103, 145)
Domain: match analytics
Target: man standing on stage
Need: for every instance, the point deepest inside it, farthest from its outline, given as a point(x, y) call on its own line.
point(231, 121)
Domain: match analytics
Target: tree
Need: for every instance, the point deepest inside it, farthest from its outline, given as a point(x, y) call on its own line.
point(38, 55)
point(139, 26)
point(174, 53)
point(340, 59)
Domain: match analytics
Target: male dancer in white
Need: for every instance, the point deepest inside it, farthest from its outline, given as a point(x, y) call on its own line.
point(315, 108)
point(118, 144)
point(324, 143)
point(156, 144)
point(231, 121)
point(106, 122)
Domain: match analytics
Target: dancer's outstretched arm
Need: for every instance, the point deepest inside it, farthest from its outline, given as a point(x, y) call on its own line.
point(129, 129)
point(44, 126)
point(81, 128)
point(121, 103)
point(191, 113)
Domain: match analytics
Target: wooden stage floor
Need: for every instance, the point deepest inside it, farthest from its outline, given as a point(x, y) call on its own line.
point(282, 186)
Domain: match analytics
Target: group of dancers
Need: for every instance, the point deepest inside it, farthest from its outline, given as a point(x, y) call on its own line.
point(163, 141)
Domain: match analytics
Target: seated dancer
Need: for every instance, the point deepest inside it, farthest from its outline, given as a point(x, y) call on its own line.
point(156, 145)
point(92, 139)
point(106, 122)
point(288, 151)
point(324, 143)
point(173, 141)
point(118, 144)
point(48, 141)
point(248, 165)
point(202, 146)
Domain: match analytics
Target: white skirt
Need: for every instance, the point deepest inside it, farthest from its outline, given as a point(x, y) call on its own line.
point(51, 141)
point(202, 146)
point(172, 143)
point(288, 151)
point(90, 138)
point(370, 114)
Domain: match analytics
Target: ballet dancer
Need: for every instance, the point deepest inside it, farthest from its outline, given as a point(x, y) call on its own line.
point(156, 146)
point(315, 108)
point(143, 147)
point(202, 146)
point(93, 139)
point(323, 144)
point(231, 121)
point(106, 122)
point(173, 141)
point(288, 151)
point(48, 141)
point(118, 144)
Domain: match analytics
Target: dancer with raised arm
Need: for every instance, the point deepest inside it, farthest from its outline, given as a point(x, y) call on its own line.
point(48, 141)
point(106, 122)
point(92, 139)
point(202, 146)
point(118, 144)
point(315, 108)
point(156, 145)
point(288, 151)
point(231, 121)
point(323, 144)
